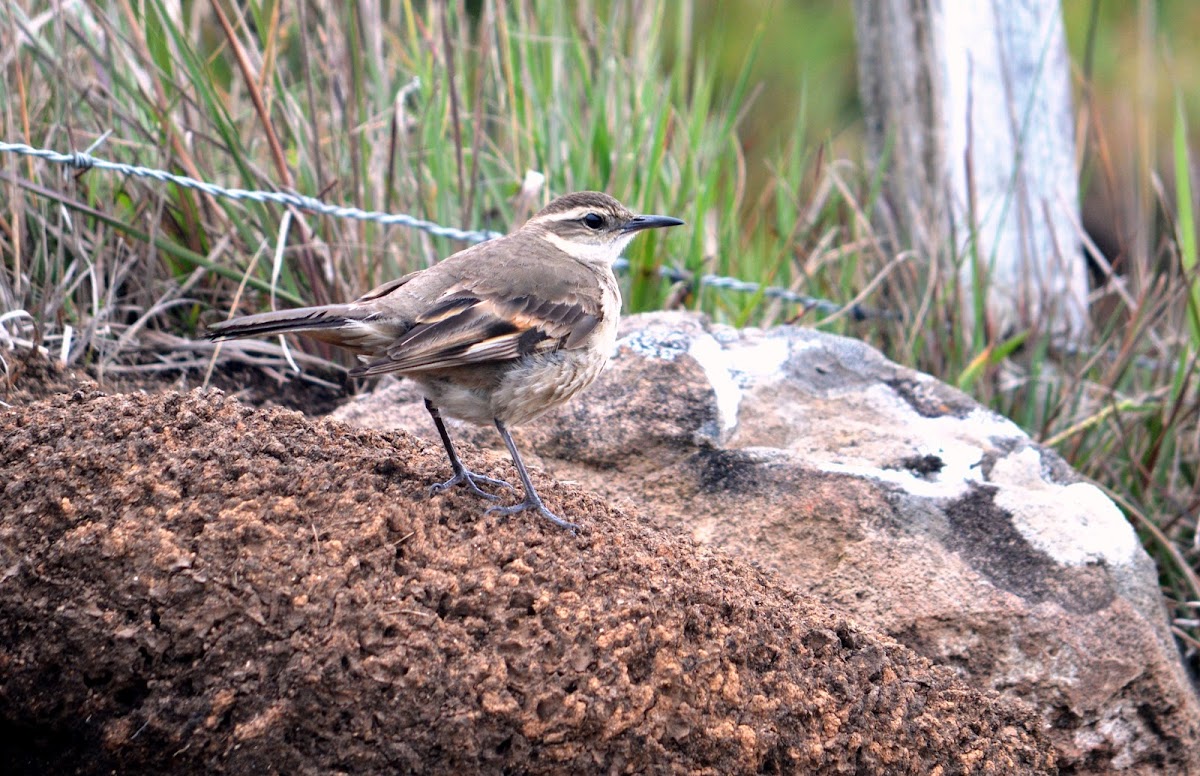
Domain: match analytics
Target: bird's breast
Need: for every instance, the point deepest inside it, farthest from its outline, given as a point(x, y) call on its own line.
point(540, 383)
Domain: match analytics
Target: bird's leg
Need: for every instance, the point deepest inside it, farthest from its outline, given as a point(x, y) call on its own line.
point(532, 500)
point(462, 474)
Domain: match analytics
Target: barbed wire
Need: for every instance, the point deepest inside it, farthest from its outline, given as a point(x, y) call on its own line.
point(83, 160)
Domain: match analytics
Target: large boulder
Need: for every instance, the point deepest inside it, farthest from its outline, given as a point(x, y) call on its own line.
point(190, 585)
point(891, 496)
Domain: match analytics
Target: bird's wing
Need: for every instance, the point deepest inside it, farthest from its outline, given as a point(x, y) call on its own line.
point(475, 323)
point(385, 289)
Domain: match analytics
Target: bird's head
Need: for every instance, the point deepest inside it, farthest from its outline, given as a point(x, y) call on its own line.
point(592, 226)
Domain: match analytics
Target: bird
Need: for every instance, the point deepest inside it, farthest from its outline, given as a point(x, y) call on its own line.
point(495, 334)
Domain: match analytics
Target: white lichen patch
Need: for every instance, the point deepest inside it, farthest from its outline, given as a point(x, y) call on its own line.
point(734, 367)
point(1074, 524)
point(937, 487)
point(884, 428)
point(657, 343)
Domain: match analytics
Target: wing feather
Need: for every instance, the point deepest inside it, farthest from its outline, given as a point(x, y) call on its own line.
point(465, 327)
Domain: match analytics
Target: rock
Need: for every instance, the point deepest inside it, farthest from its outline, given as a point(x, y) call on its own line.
point(190, 585)
point(893, 497)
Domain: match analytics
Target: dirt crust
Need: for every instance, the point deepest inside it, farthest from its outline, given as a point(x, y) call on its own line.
point(192, 585)
point(28, 376)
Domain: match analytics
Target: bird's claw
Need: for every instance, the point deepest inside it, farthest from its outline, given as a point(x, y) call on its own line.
point(472, 481)
point(535, 505)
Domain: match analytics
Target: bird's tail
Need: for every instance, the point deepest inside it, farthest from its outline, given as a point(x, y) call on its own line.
point(317, 320)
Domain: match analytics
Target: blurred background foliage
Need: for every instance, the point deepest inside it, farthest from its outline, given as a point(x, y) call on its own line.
point(1131, 61)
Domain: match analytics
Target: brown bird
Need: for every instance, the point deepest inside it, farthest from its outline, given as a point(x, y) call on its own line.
point(498, 333)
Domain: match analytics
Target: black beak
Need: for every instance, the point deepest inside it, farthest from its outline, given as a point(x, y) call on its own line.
point(638, 223)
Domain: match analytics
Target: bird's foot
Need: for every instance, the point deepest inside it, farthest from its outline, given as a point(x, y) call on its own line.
point(472, 480)
point(533, 503)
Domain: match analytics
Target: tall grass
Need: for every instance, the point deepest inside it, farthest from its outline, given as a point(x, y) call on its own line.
point(425, 109)
point(472, 115)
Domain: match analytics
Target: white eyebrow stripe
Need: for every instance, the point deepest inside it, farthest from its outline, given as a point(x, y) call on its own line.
point(574, 214)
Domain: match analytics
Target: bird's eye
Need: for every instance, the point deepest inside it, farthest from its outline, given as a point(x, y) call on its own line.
point(593, 221)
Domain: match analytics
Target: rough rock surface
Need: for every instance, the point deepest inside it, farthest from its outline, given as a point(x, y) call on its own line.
point(893, 497)
point(190, 585)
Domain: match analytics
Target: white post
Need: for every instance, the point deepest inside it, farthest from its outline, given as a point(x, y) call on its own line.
point(971, 101)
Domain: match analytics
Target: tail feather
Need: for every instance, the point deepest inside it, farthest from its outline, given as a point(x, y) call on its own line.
point(283, 321)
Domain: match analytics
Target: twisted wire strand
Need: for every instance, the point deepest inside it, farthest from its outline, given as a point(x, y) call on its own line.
point(82, 160)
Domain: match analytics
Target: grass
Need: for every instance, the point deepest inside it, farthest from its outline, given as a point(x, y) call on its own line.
point(471, 119)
